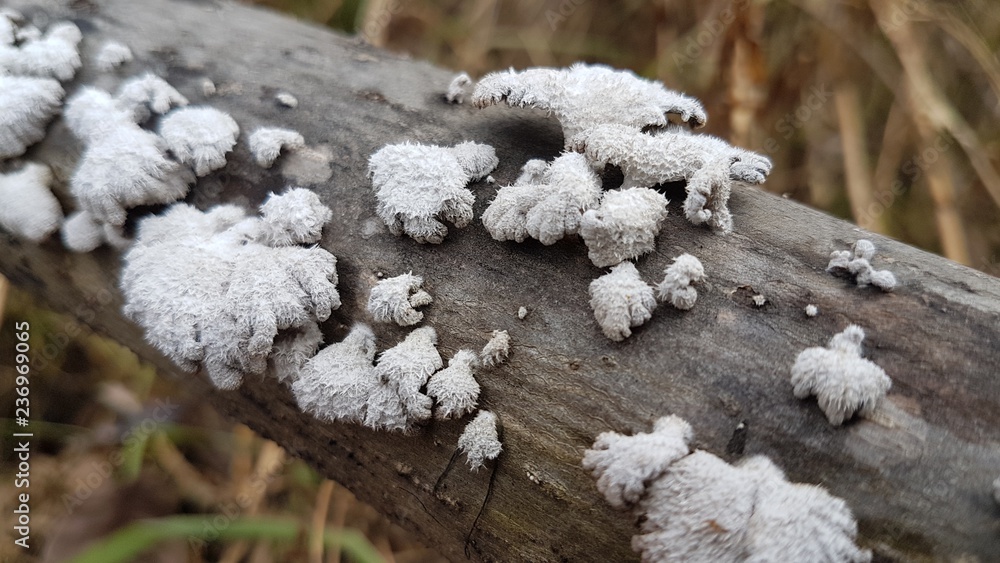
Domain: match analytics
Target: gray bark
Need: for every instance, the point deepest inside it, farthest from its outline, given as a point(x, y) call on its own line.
point(917, 475)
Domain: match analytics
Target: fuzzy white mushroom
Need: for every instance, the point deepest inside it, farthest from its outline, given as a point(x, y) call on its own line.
point(416, 186)
point(146, 95)
point(621, 300)
point(624, 226)
point(797, 522)
point(857, 263)
point(295, 217)
point(111, 55)
point(82, 232)
point(625, 465)
point(458, 88)
point(678, 278)
point(406, 367)
point(480, 440)
point(546, 202)
point(454, 389)
point(843, 381)
point(339, 384)
point(54, 55)
point(200, 137)
point(27, 207)
point(584, 96)
point(287, 100)
point(708, 164)
point(696, 507)
point(213, 288)
point(811, 310)
point(395, 300)
point(495, 351)
point(266, 144)
point(522, 312)
point(27, 104)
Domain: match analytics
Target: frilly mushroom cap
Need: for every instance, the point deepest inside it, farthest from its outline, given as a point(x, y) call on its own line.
point(406, 367)
point(480, 440)
point(27, 207)
point(625, 225)
point(621, 300)
point(455, 389)
point(266, 143)
point(394, 300)
point(843, 382)
point(199, 137)
point(27, 104)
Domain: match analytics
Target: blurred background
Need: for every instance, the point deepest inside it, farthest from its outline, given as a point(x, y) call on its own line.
point(882, 112)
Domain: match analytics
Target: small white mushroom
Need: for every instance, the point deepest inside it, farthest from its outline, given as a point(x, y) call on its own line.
point(27, 104)
point(696, 507)
point(27, 207)
point(146, 95)
point(111, 55)
point(843, 381)
point(583, 96)
point(454, 389)
point(458, 88)
point(480, 440)
point(621, 300)
point(624, 226)
point(406, 367)
point(416, 186)
point(858, 265)
point(54, 55)
point(546, 202)
point(266, 144)
point(709, 165)
point(676, 286)
point(395, 300)
point(495, 351)
point(522, 312)
point(82, 232)
point(758, 300)
point(200, 137)
point(286, 99)
point(811, 310)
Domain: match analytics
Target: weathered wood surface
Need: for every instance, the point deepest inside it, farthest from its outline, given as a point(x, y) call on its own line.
point(917, 476)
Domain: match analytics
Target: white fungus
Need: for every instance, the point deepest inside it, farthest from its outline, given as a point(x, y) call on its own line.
point(546, 202)
point(676, 285)
point(199, 137)
point(217, 288)
point(82, 232)
point(266, 144)
point(123, 165)
point(758, 300)
point(843, 381)
point(480, 440)
point(146, 95)
point(27, 207)
point(522, 312)
point(708, 164)
point(624, 226)
point(811, 310)
point(111, 55)
point(27, 104)
point(339, 384)
point(395, 300)
point(287, 100)
point(584, 96)
point(696, 507)
point(621, 300)
point(454, 389)
point(858, 265)
point(458, 88)
point(495, 351)
point(417, 185)
point(406, 367)
point(54, 55)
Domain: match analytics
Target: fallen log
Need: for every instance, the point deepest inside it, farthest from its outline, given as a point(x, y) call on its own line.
point(917, 474)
